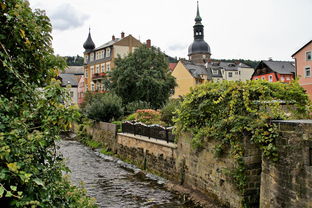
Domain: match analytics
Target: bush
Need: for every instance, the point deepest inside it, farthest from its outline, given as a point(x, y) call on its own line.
point(168, 111)
point(148, 116)
point(134, 106)
point(104, 107)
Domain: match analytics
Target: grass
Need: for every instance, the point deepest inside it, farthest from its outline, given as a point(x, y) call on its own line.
point(106, 152)
point(93, 144)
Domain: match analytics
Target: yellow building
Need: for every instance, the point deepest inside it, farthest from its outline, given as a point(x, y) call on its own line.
point(98, 61)
point(188, 75)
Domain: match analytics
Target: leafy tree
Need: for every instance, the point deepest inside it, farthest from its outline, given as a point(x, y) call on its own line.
point(143, 75)
point(74, 60)
point(104, 107)
point(34, 111)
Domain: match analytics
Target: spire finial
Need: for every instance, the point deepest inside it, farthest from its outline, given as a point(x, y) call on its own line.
point(198, 19)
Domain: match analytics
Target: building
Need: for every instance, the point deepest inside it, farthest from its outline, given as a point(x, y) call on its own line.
point(189, 75)
point(200, 68)
point(303, 60)
point(275, 71)
point(81, 90)
point(100, 60)
point(199, 51)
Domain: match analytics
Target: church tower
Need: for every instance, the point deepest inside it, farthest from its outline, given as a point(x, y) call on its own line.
point(199, 50)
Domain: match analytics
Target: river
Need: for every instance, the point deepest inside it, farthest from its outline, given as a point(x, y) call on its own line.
point(113, 183)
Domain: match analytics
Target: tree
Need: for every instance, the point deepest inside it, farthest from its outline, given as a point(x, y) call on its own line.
point(143, 76)
point(34, 111)
point(74, 60)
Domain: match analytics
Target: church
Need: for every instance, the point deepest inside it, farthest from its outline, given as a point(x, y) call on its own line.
point(200, 68)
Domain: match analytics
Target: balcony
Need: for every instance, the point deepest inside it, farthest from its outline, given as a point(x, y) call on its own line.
point(98, 76)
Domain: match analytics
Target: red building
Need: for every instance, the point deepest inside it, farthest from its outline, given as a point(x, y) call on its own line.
point(275, 71)
point(303, 58)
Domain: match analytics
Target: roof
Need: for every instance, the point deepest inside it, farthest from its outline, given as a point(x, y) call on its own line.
point(172, 66)
point(69, 79)
point(302, 48)
point(109, 43)
point(281, 67)
point(89, 44)
point(77, 70)
point(197, 70)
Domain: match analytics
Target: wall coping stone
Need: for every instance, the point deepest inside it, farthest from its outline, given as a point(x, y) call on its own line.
point(150, 140)
point(293, 121)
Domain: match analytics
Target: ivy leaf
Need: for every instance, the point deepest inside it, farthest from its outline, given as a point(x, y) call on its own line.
point(13, 188)
point(13, 167)
point(8, 194)
point(1, 191)
point(39, 182)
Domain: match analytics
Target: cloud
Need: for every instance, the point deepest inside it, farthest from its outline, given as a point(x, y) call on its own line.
point(177, 47)
point(66, 17)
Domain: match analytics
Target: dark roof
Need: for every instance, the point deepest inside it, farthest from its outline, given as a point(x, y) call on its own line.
point(281, 67)
point(109, 43)
point(89, 44)
point(199, 46)
point(77, 70)
point(302, 48)
point(69, 79)
point(197, 70)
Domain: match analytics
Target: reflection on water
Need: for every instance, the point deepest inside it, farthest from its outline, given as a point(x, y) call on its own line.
point(114, 183)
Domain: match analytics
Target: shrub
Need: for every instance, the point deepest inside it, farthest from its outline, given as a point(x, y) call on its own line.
point(168, 111)
point(104, 107)
point(148, 116)
point(134, 106)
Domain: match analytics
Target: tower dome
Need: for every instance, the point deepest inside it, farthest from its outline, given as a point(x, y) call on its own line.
point(199, 51)
point(89, 44)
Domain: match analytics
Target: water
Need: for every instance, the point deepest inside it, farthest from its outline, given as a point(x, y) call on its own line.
point(113, 183)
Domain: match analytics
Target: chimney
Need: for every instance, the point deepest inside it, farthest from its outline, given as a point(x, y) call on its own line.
point(122, 34)
point(148, 43)
point(113, 37)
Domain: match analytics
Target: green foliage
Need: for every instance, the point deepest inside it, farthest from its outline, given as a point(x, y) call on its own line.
point(106, 152)
point(118, 124)
point(74, 60)
point(104, 107)
point(148, 116)
point(34, 110)
point(143, 75)
point(168, 111)
point(230, 112)
point(136, 105)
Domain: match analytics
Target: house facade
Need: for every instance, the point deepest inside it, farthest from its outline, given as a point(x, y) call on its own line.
point(100, 60)
point(303, 60)
point(275, 71)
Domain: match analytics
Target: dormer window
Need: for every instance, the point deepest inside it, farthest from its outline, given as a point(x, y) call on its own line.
point(108, 52)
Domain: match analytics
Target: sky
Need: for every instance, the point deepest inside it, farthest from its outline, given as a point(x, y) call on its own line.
point(234, 29)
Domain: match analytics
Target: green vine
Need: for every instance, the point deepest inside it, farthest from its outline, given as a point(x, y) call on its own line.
point(229, 112)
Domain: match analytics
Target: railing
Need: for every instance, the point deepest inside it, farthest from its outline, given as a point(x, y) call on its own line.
point(151, 131)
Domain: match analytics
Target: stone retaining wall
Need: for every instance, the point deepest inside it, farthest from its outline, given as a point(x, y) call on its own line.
point(288, 182)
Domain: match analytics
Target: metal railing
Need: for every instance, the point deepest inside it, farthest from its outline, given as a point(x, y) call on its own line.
point(151, 131)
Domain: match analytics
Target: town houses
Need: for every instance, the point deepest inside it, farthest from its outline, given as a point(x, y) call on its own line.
point(199, 68)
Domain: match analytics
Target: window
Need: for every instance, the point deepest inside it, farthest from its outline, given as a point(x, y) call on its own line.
point(71, 94)
point(86, 59)
point(86, 73)
point(91, 56)
point(108, 67)
point(92, 86)
point(307, 72)
point(97, 69)
point(256, 79)
point(270, 78)
point(108, 51)
point(92, 70)
point(263, 78)
point(86, 87)
point(103, 68)
point(215, 72)
point(309, 56)
point(282, 79)
point(230, 74)
point(236, 73)
point(98, 86)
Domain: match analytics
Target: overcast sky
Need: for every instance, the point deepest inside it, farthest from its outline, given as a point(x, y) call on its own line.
point(248, 29)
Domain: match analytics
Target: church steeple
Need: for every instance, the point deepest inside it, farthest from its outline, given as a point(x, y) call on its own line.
point(198, 19)
point(199, 50)
point(198, 27)
point(89, 44)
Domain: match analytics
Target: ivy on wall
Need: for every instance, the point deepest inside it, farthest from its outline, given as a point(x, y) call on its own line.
point(230, 112)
